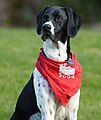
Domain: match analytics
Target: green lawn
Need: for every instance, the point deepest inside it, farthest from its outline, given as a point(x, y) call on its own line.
point(19, 49)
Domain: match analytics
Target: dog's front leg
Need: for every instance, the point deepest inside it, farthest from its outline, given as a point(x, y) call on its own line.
point(45, 96)
point(72, 107)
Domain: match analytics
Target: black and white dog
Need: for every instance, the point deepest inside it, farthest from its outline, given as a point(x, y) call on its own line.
point(38, 101)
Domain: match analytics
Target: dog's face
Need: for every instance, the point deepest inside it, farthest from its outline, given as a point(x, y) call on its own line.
point(57, 23)
point(53, 21)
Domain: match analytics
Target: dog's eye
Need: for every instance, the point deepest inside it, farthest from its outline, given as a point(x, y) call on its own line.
point(45, 18)
point(59, 18)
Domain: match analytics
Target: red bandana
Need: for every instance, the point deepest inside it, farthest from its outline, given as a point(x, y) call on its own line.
point(64, 79)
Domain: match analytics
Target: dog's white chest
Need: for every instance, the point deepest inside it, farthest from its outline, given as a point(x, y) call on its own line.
point(55, 51)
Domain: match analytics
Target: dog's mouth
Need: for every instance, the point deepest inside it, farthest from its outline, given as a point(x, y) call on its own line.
point(47, 35)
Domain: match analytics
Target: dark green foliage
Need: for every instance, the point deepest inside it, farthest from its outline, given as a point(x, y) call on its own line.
point(24, 12)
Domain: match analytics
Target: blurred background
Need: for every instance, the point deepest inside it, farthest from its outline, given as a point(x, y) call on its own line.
point(24, 12)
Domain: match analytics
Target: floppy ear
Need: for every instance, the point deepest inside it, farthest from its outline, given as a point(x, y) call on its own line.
point(39, 20)
point(74, 22)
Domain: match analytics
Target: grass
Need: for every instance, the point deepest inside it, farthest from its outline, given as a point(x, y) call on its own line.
point(19, 48)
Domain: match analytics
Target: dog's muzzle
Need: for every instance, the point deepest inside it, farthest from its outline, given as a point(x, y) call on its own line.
point(47, 31)
point(46, 27)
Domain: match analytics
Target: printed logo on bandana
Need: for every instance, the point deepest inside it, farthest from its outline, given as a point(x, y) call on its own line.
point(66, 71)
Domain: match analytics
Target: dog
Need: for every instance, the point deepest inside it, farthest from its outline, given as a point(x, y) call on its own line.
point(47, 95)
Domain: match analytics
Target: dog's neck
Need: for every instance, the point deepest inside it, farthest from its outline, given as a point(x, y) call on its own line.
point(55, 50)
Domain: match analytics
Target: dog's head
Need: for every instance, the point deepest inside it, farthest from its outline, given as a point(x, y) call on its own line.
point(57, 23)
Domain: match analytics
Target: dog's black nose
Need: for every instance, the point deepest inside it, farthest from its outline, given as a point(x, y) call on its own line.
point(46, 27)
